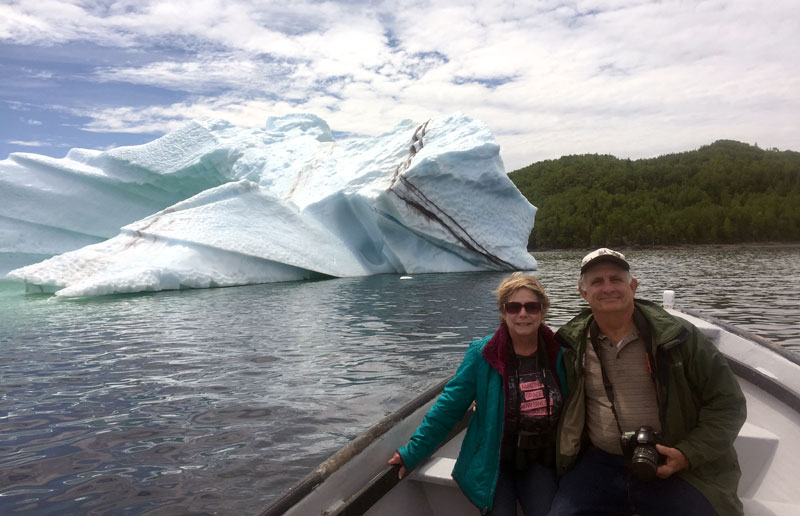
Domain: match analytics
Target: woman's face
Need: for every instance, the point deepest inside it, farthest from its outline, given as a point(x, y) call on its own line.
point(523, 324)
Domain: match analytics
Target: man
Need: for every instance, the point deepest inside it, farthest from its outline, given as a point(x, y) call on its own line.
point(628, 364)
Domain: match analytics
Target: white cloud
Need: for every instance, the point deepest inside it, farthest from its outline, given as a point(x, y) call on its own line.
point(631, 77)
point(205, 73)
point(32, 143)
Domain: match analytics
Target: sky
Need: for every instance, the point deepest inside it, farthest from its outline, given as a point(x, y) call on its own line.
point(631, 78)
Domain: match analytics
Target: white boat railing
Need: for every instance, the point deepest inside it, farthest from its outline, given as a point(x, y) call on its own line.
point(376, 485)
point(767, 366)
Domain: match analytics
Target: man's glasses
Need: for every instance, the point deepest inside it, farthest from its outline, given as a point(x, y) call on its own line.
point(532, 307)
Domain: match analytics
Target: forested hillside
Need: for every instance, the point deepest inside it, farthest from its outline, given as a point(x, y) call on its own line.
point(727, 192)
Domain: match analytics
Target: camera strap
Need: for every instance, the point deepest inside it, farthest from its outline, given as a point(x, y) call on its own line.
point(594, 335)
point(594, 332)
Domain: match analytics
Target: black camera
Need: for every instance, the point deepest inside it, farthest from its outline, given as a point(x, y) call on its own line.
point(640, 446)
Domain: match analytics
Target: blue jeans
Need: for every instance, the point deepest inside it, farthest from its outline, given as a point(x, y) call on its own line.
point(601, 484)
point(533, 487)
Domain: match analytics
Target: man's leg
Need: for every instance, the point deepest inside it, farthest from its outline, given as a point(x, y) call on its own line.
point(536, 487)
point(597, 485)
point(663, 497)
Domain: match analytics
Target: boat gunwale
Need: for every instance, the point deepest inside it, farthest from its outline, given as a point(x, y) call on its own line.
point(313, 479)
point(758, 339)
point(768, 384)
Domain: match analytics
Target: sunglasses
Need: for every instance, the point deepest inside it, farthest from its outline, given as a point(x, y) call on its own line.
point(532, 307)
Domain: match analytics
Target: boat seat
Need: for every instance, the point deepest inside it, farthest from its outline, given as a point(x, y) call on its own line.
point(755, 447)
point(441, 491)
point(435, 470)
point(436, 475)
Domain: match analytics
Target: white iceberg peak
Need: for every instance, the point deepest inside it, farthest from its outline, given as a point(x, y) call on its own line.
point(303, 123)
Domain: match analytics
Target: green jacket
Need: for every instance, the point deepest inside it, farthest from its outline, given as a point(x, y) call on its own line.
point(480, 378)
point(701, 405)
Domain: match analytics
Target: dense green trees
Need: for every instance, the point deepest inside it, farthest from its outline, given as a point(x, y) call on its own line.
point(726, 192)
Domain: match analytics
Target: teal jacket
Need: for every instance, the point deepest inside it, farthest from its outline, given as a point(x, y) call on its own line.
point(480, 378)
point(701, 405)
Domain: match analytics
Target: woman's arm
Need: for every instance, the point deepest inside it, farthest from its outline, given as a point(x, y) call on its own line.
point(449, 409)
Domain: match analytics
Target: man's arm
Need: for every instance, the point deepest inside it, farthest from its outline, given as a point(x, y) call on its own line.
point(722, 406)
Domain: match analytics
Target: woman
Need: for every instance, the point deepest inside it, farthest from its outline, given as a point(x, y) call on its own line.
point(508, 450)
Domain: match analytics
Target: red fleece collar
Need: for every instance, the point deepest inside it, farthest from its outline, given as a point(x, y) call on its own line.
point(496, 350)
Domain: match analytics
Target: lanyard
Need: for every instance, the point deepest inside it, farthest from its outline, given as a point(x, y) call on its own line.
point(515, 392)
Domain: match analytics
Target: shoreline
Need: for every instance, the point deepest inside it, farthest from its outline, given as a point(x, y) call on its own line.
point(749, 245)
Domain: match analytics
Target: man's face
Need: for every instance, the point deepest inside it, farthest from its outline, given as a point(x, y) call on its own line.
point(607, 289)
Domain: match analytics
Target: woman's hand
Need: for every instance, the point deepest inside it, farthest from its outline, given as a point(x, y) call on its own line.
point(396, 459)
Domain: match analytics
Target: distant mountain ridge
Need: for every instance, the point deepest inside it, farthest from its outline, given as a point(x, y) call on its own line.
point(726, 192)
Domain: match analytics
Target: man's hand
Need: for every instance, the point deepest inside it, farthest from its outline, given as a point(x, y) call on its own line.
point(397, 460)
point(675, 461)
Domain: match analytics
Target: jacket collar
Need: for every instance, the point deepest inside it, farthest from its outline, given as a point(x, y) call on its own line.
point(497, 349)
point(665, 328)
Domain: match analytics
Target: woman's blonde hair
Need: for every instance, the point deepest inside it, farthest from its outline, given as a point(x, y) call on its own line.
point(516, 281)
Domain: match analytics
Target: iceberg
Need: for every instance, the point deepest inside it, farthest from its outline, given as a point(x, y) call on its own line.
point(211, 205)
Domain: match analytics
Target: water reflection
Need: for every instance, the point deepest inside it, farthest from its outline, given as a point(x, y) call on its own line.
point(217, 400)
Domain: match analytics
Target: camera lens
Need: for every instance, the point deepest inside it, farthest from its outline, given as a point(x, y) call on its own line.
point(644, 462)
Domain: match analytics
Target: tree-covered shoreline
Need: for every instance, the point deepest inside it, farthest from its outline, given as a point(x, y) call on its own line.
point(723, 193)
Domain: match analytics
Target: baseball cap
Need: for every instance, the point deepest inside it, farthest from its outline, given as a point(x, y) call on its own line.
point(604, 255)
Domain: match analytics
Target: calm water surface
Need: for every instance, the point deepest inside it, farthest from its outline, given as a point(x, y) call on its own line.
point(215, 401)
